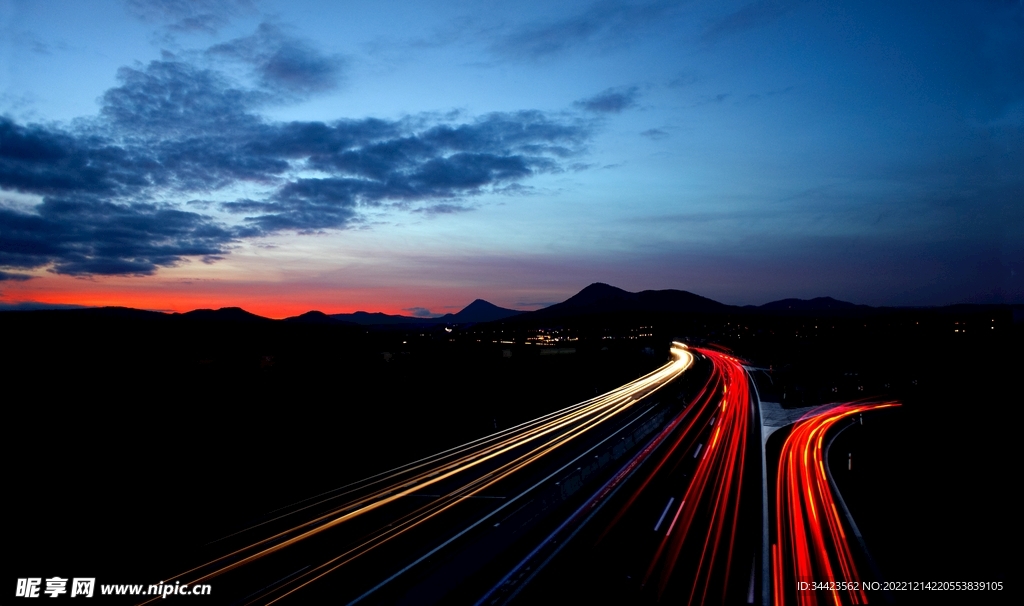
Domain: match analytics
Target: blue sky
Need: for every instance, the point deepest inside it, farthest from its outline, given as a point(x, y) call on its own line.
point(284, 156)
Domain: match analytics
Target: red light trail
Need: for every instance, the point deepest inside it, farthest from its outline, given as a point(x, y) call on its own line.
point(714, 491)
point(697, 550)
point(812, 545)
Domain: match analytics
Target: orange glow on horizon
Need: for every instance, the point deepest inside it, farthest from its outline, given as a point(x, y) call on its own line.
point(268, 299)
point(181, 302)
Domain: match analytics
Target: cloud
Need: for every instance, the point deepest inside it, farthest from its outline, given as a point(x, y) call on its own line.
point(444, 208)
point(420, 312)
point(518, 189)
point(89, 236)
point(603, 23)
point(35, 305)
point(376, 163)
point(32, 43)
point(190, 16)
point(174, 136)
point(610, 101)
point(172, 98)
point(654, 133)
point(283, 63)
point(6, 276)
point(41, 160)
point(305, 205)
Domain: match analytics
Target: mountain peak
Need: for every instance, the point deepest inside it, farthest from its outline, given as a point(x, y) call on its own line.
point(234, 314)
point(598, 291)
point(601, 298)
point(314, 317)
point(480, 311)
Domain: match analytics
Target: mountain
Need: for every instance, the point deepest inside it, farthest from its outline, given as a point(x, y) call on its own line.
point(224, 314)
point(816, 304)
point(596, 299)
point(601, 298)
point(316, 317)
point(477, 311)
point(365, 318)
point(85, 313)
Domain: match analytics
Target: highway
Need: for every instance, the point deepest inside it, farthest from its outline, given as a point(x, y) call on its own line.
point(678, 523)
point(640, 495)
point(811, 543)
point(672, 526)
point(419, 531)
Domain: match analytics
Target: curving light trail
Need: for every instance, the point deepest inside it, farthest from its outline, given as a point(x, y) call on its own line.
point(812, 544)
point(713, 496)
point(696, 552)
point(460, 473)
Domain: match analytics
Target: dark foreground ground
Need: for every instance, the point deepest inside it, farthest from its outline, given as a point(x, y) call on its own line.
point(134, 440)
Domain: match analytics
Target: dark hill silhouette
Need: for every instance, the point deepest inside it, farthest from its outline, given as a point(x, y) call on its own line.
point(365, 318)
point(477, 311)
point(599, 298)
point(316, 317)
point(224, 314)
point(815, 304)
point(107, 312)
point(595, 299)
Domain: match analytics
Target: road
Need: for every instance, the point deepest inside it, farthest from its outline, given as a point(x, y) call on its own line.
point(419, 531)
point(633, 496)
point(678, 524)
point(811, 539)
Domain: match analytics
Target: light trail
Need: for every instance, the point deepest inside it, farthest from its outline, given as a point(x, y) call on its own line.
point(703, 526)
point(705, 521)
point(466, 470)
point(811, 542)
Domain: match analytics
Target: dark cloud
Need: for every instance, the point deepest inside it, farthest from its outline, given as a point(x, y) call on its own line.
point(305, 205)
point(420, 312)
point(175, 99)
point(603, 23)
point(283, 63)
point(172, 130)
point(654, 133)
point(83, 237)
point(35, 305)
point(41, 160)
point(440, 162)
point(6, 276)
point(517, 189)
point(444, 208)
point(189, 16)
point(610, 101)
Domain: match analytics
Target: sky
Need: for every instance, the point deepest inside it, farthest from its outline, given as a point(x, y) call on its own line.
point(410, 157)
